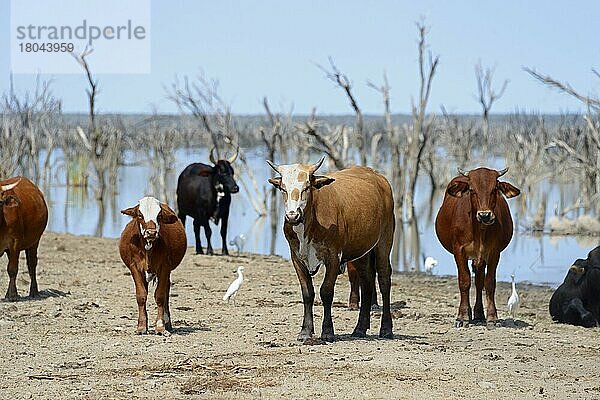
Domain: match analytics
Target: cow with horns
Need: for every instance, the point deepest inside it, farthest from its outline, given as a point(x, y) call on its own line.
point(331, 220)
point(204, 192)
point(474, 223)
point(23, 219)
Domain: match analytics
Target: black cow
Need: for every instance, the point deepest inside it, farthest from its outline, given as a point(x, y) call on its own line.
point(577, 300)
point(204, 192)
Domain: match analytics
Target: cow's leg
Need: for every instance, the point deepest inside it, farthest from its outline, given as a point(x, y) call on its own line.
point(332, 268)
point(168, 320)
point(464, 285)
point(32, 260)
point(224, 220)
point(490, 288)
point(354, 279)
point(197, 236)
point(208, 233)
point(308, 299)
point(479, 269)
point(13, 269)
point(384, 277)
point(366, 272)
point(576, 314)
point(181, 218)
point(141, 293)
point(161, 298)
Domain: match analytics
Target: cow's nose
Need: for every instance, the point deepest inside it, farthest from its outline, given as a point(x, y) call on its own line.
point(150, 234)
point(485, 217)
point(292, 216)
point(235, 189)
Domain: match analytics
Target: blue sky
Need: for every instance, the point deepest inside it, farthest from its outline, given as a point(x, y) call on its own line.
point(270, 48)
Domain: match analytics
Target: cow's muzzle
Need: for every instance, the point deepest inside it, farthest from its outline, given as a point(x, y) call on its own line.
point(149, 237)
point(293, 217)
point(486, 217)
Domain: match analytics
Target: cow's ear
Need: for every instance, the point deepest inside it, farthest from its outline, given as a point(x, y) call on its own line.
point(275, 182)
point(320, 180)
point(508, 190)
point(166, 215)
point(131, 211)
point(458, 186)
point(10, 201)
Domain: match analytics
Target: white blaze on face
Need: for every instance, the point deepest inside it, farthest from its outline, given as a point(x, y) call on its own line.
point(295, 183)
point(150, 208)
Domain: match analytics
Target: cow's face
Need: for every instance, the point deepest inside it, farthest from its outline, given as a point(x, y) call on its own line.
point(223, 172)
point(224, 175)
point(149, 215)
point(585, 272)
point(483, 187)
point(296, 183)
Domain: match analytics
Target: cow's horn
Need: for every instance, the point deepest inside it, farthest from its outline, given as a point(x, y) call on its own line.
point(502, 172)
point(234, 157)
point(4, 188)
point(317, 165)
point(463, 173)
point(212, 157)
point(275, 167)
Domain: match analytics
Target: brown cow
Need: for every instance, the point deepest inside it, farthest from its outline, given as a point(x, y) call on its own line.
point(152, 245)
point(474, 223)
point(23, 219)
point(330, 220)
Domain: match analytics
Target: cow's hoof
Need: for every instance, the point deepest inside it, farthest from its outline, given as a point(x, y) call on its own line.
point(479, 321)
point(303, 336)
point(494, 324)
point(386, 334)
point(199, 252)
point(225, 253)
point(328, 337)
point(11, 298)
point(353, 306)
point(460, 323)
point(141, 331)
point(358, 333)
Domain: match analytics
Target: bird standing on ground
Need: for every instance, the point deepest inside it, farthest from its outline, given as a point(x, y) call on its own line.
point(513, 300)
point(239, 242)
point(430, 263)
point(235, 285)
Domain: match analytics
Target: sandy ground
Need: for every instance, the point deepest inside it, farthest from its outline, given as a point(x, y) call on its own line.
point(78, 341)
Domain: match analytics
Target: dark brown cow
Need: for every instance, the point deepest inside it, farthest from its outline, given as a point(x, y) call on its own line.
point(474, 223)
point(23, 219)
point(331, 220)
point(152, 245)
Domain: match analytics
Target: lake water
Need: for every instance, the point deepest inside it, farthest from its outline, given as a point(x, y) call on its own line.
point(543, 259)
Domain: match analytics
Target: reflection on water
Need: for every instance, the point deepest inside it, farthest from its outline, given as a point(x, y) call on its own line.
point(540, 259)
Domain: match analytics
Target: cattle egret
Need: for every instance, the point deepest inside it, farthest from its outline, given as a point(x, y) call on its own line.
point(239, 241)
point(513, 301)
point(235, 285)
point(430, 263)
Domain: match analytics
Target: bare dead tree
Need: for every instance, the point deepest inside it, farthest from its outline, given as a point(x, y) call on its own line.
point(393, 137)
point(486, 94)
point(342, 81)
point(422, 124)
point(201, 99)
point(583, 150)
point(332, 141)
point(103, 142)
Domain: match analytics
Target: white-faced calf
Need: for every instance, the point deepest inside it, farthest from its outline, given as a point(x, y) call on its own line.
point(152, 245)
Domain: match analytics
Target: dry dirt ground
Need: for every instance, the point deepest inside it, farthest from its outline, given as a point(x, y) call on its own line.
point(78, 341)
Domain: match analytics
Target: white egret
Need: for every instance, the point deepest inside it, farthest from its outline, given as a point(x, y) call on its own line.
point(235, 285)
point(513, 300)
point(430, 263)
